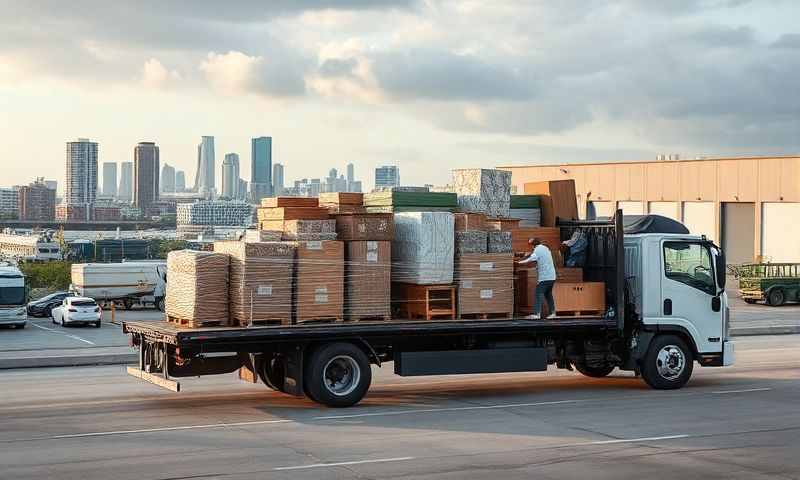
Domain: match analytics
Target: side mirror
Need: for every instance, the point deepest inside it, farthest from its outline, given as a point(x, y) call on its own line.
point(719, 260)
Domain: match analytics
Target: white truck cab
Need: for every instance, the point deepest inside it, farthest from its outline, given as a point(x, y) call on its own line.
point(13, 296)
point(677, 285)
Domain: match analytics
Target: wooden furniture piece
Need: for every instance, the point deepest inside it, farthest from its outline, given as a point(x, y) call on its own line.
point(558, 200)
point(427, 302)
point(579, 298)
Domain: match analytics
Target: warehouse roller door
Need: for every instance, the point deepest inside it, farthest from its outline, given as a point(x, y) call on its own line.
point(665, 209)
point(699, 218)
point(601, 209)
point(739, 232)
point(631, 208)
point(780, 230)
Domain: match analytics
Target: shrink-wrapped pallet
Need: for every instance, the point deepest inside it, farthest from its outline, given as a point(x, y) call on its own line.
point(410, 199)
point(319, 276)
point(483, 190)
point(197, 288)
point(260, 281)
point(262, 235)
point(528, 217)
point(469, 221)
point(485, 284)
point(422, 251)
point(499, 242)
point(373, 226)
point(303, 229)
point(367, 291)
point(471, 241)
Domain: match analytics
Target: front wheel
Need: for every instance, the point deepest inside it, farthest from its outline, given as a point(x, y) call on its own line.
point(594, 371)
point(776, 297)
point(668, 363)
point(337, 375)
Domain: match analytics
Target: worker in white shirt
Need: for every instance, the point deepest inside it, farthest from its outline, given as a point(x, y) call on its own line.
point(547, 277)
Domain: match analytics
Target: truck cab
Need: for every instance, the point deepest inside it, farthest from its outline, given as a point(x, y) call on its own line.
point(676, 288)
point(13, 296)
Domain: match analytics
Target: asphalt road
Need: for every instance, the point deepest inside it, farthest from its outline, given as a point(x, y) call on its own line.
point(96, 422)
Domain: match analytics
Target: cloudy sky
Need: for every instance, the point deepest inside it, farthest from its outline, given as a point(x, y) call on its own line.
point(427, 85)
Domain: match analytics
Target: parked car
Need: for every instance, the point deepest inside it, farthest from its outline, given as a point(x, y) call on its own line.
point(77, 310)
point(43, 307)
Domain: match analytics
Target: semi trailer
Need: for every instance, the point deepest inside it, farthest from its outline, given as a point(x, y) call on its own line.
point(667, 311)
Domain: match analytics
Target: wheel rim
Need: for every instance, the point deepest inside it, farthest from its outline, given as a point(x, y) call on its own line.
point(777, 297)
point(670, 362)
point(341, 375)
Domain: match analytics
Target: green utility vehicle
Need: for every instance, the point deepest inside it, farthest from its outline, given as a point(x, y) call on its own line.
point(774, 283)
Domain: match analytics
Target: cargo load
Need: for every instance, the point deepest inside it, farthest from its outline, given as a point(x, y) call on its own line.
point(499, 242)
point(263, 235)
point(197, 288)
point(502, 224)
point(469, 242)
point(372, 226)
point(273, 202)
point(260, 281)
point(319, 277)
point(483, 190)
point(368, 280)
point(464, 221)
point(293, 213)
point(411, 199)
point(485, 285)
point(422, 251)
point(557, 199)
point(303, 229)
point(341, 198)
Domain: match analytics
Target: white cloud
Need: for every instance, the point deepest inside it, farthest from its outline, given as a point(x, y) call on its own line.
point(236, 73)
point(156, 75)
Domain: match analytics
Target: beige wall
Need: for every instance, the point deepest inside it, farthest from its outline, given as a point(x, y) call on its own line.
point(756, 180)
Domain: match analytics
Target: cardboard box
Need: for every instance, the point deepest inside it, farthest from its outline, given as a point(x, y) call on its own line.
point(260, 281)
point(587, 298)
point(319, 281)
point(368, 280)
point(342, 198)
point(197, 287)
point(557, 200)
point(293, 213)
point(469, 221)
point(368, 226)
point(273, 202)
point(485, 283)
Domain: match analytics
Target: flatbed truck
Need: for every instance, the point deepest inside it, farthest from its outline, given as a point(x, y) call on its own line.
point(667, 311)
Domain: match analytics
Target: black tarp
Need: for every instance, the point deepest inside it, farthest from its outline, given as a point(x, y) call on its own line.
point(652, 224)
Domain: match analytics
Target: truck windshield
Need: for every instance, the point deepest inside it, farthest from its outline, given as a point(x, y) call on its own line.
point(689, 263)
point(12, 295)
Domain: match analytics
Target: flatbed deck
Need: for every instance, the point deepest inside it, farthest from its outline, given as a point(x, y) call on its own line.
point(173, 334)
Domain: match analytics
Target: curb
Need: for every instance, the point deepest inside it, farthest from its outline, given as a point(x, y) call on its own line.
point(774, 330)
point(68, 361)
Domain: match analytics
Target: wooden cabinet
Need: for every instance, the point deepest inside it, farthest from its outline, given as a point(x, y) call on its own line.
point(580, 297)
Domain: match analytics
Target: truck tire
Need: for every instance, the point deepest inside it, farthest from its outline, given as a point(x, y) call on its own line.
point(668, 363)
point(160, 303)
point(337, 375)
point(272, 373)
point(777, 297)
point(594, 371)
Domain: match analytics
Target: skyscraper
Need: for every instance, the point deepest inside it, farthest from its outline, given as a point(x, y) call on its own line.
point(125, 192)
point(242, 193)
point(167, 179)
point(145, 175)
point(109, 179)
point(204, 180)
point(277, 179)
point(351, 177)
point(260, 168)
point(387, 176)
point(230, 176)
point(180, 181)
point(81, 182)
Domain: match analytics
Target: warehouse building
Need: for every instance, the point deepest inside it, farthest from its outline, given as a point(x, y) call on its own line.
point(750, 205)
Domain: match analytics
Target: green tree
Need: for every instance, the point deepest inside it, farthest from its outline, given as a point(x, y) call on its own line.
point(161, 248)
point(50, 275)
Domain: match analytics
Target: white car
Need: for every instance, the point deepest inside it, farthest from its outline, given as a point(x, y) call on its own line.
point(74, 310)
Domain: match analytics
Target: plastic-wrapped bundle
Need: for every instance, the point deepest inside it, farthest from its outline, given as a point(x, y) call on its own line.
point(260, 281)
point(372, 226)
point(262, 235)
point(303, 229)
point(197, 287)
point(367, 280)
point(485, 283)
point(470, 241)
point(483, 190)
point(499, 242)
point(319, 276)
point(422, 251)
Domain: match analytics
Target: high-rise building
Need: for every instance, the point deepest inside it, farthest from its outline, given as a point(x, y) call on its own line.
point(52, 185)
point(9, 202)
point(260, 168)
point(81, 182)
point(351, 176)
point(145, 175)
point(125, 192)
point(230, 176)
point(168, 179)
point(277, 179)
point(204, 180)
point(180, 181)
point(109, 179)
point(37, 202)
point(387, 176)
point(242, 193)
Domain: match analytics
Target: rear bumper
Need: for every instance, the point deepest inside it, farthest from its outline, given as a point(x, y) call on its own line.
point(82, 319)
point(22, 320)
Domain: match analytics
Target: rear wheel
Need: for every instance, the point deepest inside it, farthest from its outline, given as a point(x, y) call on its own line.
point(127, 304)
point(273, 373)
point(668, 363)
point(337, 375)
point(594, 371)
point(777, 297)
point(750, 300)
point(160, 303)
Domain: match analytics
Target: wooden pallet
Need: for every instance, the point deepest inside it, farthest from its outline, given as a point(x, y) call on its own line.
point(312, 321)
point(486, 316)
point(189, 323)
point(263, 322)
point(579, 313)
point(427, 302)
point(368, 318)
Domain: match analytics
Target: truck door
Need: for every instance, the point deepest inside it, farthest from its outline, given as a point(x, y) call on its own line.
point(688, 291)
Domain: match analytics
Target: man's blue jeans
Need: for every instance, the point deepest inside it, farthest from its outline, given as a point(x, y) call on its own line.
point(544, 290)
